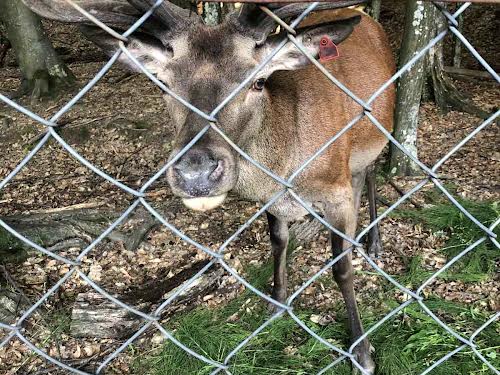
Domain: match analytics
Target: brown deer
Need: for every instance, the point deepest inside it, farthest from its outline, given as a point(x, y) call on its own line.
point(280, 119)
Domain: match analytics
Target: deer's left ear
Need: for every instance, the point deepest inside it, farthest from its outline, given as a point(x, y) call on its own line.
point(290, 58)
point(147, 44)
point(147, 50)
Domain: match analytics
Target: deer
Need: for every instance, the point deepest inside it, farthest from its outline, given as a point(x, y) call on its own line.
point(280, 118)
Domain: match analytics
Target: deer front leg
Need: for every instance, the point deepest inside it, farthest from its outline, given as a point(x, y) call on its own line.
point(342, 216)
point(374, 243)
point(278, 231)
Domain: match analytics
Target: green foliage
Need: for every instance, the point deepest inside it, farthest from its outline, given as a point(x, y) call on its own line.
point(477, 265)
point(406, 345)
point(413, 341)
point(281, 348)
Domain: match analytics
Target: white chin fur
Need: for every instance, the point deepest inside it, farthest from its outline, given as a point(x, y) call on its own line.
point(204, 203)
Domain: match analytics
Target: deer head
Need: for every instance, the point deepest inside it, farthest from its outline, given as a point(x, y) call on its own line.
point(204, 65)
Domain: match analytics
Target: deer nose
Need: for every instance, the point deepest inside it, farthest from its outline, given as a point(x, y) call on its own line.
point(198, 172)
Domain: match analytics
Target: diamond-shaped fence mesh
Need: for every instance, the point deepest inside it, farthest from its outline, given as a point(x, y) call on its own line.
point(151, 320)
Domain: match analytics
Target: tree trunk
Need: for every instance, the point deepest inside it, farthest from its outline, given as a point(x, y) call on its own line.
point(374, 9)
point(457, 52)
point(44, 74)
point(60, 229)
point(212, 13)
point(418, 25)
point(446, 95)
point(4, 45)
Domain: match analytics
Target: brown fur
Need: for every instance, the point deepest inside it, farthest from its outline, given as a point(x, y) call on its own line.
point(280, 126)
point(307, 110)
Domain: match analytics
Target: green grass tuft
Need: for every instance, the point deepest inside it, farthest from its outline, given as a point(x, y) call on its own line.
point(479, 264)
point(405, 345)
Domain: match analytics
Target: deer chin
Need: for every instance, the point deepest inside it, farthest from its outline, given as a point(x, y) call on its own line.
point(204, 203)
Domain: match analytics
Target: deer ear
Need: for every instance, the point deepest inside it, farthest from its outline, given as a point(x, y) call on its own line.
point(148, 50)
point(118, 14)
point(290, 58)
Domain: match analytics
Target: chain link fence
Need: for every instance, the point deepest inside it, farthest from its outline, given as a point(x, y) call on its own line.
point(151, 320)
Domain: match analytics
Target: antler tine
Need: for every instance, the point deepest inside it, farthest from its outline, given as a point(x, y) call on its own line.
point(112, 12)
point(297, 8)
point(121, 14)
point(168, 13)
point(259, 25)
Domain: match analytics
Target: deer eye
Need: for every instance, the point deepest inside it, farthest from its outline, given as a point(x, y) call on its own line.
point(259, 84)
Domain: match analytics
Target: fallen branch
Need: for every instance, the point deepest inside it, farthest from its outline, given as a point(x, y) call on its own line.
point(127, 76)
point(383, 201)
point(13, 284)
point(79, 206)
point(95, 316)
point(75, 226)
point(481, 74)
point(403, 193)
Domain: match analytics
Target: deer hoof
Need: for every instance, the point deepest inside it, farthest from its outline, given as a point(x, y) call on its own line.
point(368, 370)
point(272, 308)
point(375, 248)
point(280, 296)
point(365, 360)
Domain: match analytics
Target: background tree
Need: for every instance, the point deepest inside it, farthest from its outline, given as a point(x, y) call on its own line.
point(417, 33)
point(445, 94)
point(373, 9)
point(4, 45)
point(43, 72)
point(212, 13)
point(427, 78)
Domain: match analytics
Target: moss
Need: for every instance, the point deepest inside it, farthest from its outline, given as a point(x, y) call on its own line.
point(12, 250)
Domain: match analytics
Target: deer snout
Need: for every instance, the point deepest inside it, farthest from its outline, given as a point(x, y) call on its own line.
point(203, 176)
point(198, 173)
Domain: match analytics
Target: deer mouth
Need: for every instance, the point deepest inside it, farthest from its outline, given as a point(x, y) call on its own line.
point(204, 203)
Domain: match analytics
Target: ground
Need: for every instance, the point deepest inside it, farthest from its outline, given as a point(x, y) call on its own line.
point(122, 127)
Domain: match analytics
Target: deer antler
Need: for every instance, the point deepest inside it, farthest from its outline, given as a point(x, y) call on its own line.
point(167, 13)
point(111, 12)
point(252, 21)
point(166, 18)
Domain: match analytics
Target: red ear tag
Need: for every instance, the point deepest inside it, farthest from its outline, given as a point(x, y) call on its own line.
point(327, 49)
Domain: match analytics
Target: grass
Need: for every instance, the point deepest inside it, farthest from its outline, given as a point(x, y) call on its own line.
point(479, 264)
point(407, 344)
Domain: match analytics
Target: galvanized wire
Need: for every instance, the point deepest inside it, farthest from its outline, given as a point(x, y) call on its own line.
point(152, 320)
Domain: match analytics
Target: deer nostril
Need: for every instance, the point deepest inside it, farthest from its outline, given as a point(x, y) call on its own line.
point(186, 173)
point(199, 174)
point(217, 171)
point(199, 169)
